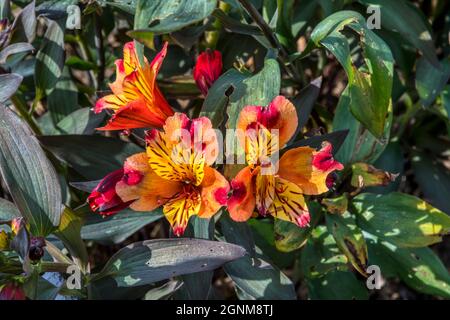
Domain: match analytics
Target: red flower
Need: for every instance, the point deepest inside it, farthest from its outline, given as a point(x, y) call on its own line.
point(136, 99)
point(104, 197)
point(207, 69)
point(12, 292)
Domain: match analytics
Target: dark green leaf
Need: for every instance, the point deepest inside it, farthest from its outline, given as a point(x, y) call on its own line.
point(337, 285)
point(50, 58)
point(430, 80)
point(9, 83)
point(91, 156)
point(63, 99)
point(8, 211)
point(155, 260)
point(14, 49)
point(433, 179)
point(117, 228)
point(29, 175)
point(81, 121)
point(402, 219)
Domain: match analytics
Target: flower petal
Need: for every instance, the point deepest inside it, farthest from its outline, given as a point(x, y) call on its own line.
point(151, 191)
point(134, 115)
point(214, 192)
point(280, 114)
point(242, 202)
point(289, 204)
point(265, 193)
point(179, 209)
point(174, 162)
point(308, 168)
point(260, 146)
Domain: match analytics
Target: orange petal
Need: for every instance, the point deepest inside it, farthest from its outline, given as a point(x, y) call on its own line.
point(242, 202)
point(134, 115)
point(280, 115)
point(214, 192)
point(265, 193)
point(151, 192)
point(117, 85)
point(308, 168)
point(130, 58)
point(289, 204)
point(111, 102)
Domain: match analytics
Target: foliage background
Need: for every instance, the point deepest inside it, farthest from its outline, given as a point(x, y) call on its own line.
point(387, 87)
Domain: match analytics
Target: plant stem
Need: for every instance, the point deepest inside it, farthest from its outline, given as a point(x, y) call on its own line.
point(273, 40)
point(100, 50)
point(22, 108)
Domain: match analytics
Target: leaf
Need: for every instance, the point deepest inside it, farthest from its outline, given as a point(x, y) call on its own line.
point(24, 26)
point(171, 15)
point(80, 122)
point(257, 90)
point(403, 17)
point(8, 211)
point(366, 175)
point(91, 156)
point(164, 291)
point(321, 255)
point(219, 96)
point(155, 260)
point(390, 160)
point(253, 276)
point(433, 179)
point(29, 175)
point(369, 89)
point(305, 101)
point(14, 49)
point(289, 237)
point(76, 62)
point(235, 26)
point(117, 228)
point(419, 268)
point(197, 286)
point(430, 80)
point(402, 219)
point(50, 58)
point(336, 138)
point(337, 285)
point(264, 236)
point(9, 83)
point(69, 231)
point(63, 99)
point(349, 239)
point(360, 145)
point(338, 205)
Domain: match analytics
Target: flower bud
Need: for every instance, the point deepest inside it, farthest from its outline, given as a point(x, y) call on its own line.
point(36, 251)
point(207, 69)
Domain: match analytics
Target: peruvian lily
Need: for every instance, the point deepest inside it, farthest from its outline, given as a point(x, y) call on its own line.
point(177, 172)
point(300, 171)
point(104, 198)
point(207, 69)
point(137, 101)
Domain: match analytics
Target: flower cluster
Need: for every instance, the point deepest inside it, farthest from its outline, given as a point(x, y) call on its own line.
point(176, 171)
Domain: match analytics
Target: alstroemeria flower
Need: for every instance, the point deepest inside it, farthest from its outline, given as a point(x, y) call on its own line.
point(301, 171)
point(207, 69)
point(136, 101)
point(104, 198)
point(177, 172)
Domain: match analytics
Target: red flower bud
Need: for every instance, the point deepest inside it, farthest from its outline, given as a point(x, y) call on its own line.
point(36, 251)
point(207, 69)
point(12, 292)
point(104, 197)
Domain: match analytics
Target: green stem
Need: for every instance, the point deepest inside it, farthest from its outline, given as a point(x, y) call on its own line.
point(272, 38)
point(22, 108)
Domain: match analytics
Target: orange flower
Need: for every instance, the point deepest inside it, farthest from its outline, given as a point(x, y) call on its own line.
point(136, 101)
point(177, 172)
point(301, 171)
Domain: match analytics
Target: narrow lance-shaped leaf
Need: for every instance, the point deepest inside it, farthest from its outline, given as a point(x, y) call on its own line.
point(29, 175)
point(50, 58)
point(155, 260)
